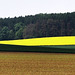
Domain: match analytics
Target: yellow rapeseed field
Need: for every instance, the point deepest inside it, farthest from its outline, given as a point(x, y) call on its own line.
point(22, 63)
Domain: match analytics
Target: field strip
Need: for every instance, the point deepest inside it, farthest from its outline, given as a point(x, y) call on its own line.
point(65, 40)
point(16, 63)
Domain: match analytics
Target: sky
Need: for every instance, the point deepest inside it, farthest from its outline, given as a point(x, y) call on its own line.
point(12, 8)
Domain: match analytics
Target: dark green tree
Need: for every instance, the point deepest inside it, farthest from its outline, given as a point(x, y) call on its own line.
point(4, 33)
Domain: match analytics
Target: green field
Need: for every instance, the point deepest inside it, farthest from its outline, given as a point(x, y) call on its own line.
point(44, 49)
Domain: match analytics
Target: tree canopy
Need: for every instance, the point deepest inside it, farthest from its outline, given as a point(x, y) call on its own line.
point(39, 25)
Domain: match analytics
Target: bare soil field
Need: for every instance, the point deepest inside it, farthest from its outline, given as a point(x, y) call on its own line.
point(22, 63)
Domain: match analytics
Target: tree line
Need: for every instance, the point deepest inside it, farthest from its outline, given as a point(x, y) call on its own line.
point(36, 26)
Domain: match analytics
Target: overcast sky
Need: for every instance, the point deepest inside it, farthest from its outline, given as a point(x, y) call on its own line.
point(11, 8)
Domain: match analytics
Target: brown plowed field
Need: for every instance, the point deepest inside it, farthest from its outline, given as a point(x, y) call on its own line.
point(16, 63)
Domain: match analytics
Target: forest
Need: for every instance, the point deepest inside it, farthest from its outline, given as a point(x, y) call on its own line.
point(36, 26)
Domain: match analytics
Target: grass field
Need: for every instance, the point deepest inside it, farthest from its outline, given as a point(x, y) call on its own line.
point(41, 49)
point(23, 63)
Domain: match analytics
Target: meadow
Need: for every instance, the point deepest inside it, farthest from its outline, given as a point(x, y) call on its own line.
point(31, 63)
